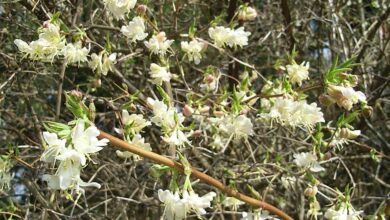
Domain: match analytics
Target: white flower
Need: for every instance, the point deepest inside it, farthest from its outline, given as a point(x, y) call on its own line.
point(55, 146)
point(85, 140)
point(345, 212)
point(68, 173)
point(308, 160)
point(242, 126)
point(73, 53)
point(158, 44)
point(176, 208)
point(159, 74)
point(247, 14)
point(23, 46)
point(102, 63)
point(346, 97)
point(193, 50)
point(46, 47)
point(294, 113)
point(197, 204)
point(232, 38)
point(298, 73)
point(119, 8)
point(164, 116)
point(238, 126)
point(289, 182)
point(138, 141)
point(134, 122)
point(176, 138)
point(220, 35)
point(135, 30)
point(238, 37)
point(232, 202)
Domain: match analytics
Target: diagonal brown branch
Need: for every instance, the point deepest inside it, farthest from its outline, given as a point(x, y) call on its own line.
point(201, 176)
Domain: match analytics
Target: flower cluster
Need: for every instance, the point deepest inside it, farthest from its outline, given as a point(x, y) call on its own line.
point(177, 207)
point(193, 50)
point(345, 96)
point(170, 121)
point(132, 126)
point(158, 44)
point(308, 160)
point(159, 74)
point(47, 46)
point(135, 30)
point(119, 8)
point(298, 73)
point(294, 113)
point(225, 36)
point(72, 156)
point(344, 211)
point(102, 63)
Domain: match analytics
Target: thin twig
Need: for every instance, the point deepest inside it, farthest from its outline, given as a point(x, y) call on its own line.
point(59, 92)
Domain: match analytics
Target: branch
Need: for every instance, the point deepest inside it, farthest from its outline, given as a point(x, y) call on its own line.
point(201, 176)
point(287, 22)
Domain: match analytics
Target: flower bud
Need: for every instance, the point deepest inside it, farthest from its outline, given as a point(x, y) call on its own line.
point(187, 111)
point(209, 79)
point(197, 133)
point(141, 9)
point(76, 93)
point(132, 107)
point(367, 111)
point(348, 134)
point(342, 76)
point(219, 113)
point(247, 14)
point(45, 24)
point(204, 110)
point(244, 111)
point(311, 191)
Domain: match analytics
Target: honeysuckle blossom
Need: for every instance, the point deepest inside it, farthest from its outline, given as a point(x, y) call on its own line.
point(85, 141)
point(193, 50)
point(135, 30)
point(345, 97)
point(176, 138)
point(164, 116)
point(53, 148)
point(72, 157)
point(294, 113)
point(133, 123)
point(159, 74)
point(119, 8)
point(232, 202)
point(138, 141)
point(102, 63)
point(5, 173)
point(68, 173)
point(246, 13)
point(239, 126)
point(73, 53)
point(177, 208)
point(225, 36)
point(344, 212)
point(48, 45)
point(158, 44)
point(298, 73)
point(308, 160)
